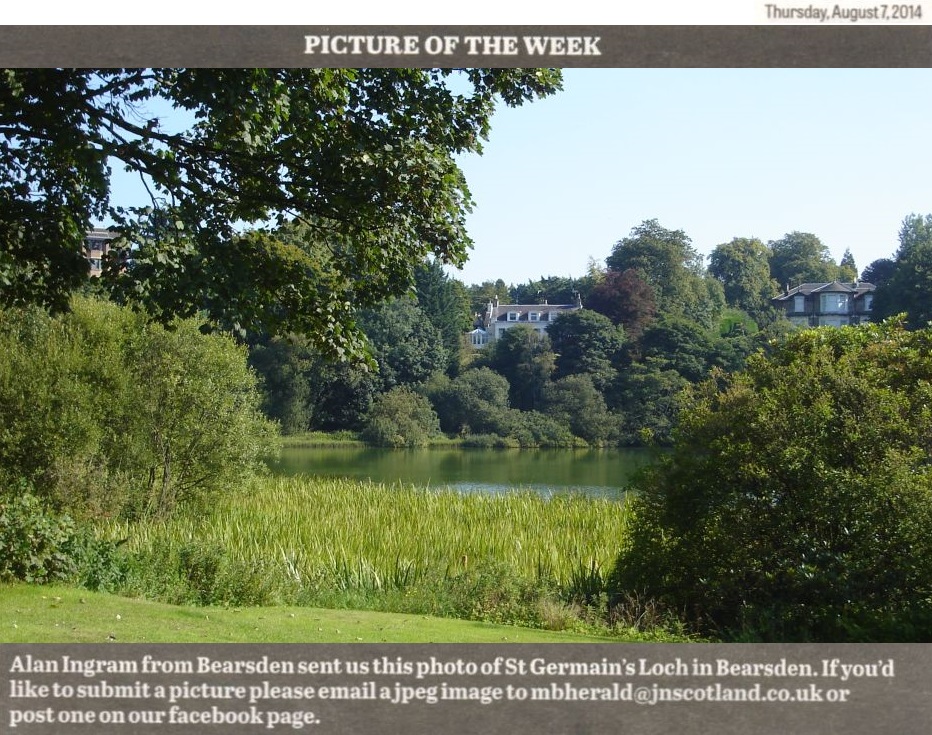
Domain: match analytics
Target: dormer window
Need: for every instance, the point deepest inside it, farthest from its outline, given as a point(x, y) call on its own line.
point(512, 316)
point(534, 316)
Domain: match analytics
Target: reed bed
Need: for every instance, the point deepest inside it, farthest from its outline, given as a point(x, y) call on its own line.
point(370, 536)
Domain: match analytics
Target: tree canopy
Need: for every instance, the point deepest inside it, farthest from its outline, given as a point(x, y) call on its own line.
point(586, 343)
point(908, 284)
point(801, 257)
point(847, 268)
point(796, 501)
point(361, 159)
point(672, 267)
point(526, 360)
point(879, 271)
point(743, 269)
point(120, 417)
point(626, 299)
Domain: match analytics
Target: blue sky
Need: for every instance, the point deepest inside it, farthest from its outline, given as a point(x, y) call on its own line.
point(845, 154)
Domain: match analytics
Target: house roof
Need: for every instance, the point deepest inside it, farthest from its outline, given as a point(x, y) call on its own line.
point(501, 311)
point(858, 288)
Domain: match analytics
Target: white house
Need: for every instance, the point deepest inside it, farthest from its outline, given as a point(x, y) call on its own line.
point(501, 317)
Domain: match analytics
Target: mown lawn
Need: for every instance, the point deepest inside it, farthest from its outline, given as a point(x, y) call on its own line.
point(59, 614)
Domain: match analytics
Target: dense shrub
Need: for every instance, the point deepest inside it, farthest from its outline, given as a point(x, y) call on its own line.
point(105, 414)
point(534, 429)
point(797, 500)
point(35, 546)
point(475, 402)
point(401, 418)
point(39, 545)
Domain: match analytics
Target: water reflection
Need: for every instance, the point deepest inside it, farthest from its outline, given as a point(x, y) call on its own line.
point(597, 472)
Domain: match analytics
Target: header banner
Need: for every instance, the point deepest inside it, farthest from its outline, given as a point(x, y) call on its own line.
point(848, 45)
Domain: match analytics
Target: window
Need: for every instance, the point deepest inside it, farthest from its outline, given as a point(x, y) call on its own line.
point(799, 304)
point(534, 316)
point(512, 316)
point(869, 302)
point(833, 303)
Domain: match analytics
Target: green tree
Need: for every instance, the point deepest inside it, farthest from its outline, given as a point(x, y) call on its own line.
point(475, 402)
point(669, 264)
point(445, 302)
point(341, 393)
point(909, 287)
point(847, 268)
point(526, 360)
point(550, 289)
point(586, 343)
point(680, 345)
point(534, 429)
point(480, 295)
point(646, 396)
point(364, 157)
point(195, 416)
point(801, 257)
point(575, 402)
point(285, 369)
point(796, 502)
point(879, 271)
point(743, 269)
point(406, 345)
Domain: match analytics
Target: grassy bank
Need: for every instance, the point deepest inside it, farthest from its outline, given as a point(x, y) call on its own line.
point(516, 559)
point(59, 614)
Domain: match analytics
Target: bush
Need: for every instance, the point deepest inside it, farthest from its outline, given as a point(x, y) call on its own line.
point(475, 402)
point(35, 546)
point(534, 429)
point(797, 500)
point(401, 418)
point(122, 417)
point(38, 545)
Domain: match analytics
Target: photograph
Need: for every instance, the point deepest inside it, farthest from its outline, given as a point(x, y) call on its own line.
point(510, 398)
